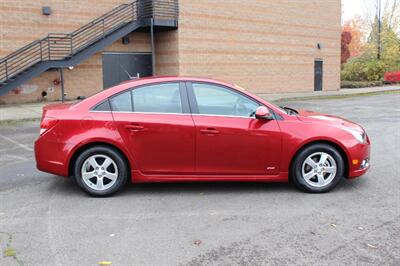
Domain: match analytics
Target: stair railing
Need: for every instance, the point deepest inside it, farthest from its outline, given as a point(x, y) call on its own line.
point(61, 46)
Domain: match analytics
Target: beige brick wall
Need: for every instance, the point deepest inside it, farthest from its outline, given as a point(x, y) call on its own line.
point(263, 45)
point(21, 22)
point(167, 53)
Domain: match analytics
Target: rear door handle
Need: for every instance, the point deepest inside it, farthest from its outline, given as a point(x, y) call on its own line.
point(209, 131)
point(134, 127)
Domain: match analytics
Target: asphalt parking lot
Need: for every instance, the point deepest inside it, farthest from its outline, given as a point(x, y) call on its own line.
point(47, 220)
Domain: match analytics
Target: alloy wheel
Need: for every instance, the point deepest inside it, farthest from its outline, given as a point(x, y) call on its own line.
point(99, 172)
point(319, 169)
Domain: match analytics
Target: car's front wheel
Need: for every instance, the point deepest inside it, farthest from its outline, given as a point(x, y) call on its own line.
point(317, 168)
point(100, 171)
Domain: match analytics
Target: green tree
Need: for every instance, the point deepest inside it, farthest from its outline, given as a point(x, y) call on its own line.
point(382, 50)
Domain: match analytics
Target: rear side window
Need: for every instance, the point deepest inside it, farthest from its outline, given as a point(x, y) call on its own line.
point(159, 98)
point(122, 102)
point(104, 106)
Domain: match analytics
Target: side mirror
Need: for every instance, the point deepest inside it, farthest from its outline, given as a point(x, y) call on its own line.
point(262, 112)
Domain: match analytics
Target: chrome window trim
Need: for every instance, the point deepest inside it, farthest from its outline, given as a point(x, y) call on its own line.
point(228, 116)
point(154, 113)
point(124, 112)
point(149, 113)
point(96, 111)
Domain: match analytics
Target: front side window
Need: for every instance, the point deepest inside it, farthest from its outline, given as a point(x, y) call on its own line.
point(159, 98)
point(216, 100)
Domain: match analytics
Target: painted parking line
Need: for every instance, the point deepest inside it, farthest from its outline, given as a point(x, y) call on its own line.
point(23, 146)
point(13, 148)
point(16, 157)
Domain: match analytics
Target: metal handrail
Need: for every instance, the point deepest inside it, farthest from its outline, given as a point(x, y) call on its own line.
point(60, 46)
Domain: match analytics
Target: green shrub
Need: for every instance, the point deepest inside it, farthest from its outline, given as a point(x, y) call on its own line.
point(367, 67)
point(364, 68)
point(360, 84)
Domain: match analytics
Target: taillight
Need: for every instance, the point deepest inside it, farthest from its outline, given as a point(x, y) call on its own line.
point(47, 123)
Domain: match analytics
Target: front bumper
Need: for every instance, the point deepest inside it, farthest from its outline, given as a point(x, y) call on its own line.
point(360, 160)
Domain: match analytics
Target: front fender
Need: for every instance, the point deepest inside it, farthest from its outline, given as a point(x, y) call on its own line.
point(297, 135)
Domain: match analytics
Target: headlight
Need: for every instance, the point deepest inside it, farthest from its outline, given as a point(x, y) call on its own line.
point(360, 136)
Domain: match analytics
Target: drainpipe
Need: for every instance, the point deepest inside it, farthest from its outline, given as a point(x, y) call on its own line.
point(153, 51)
point(62, 85)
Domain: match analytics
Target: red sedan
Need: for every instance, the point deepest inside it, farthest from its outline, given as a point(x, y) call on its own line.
point(173, 129)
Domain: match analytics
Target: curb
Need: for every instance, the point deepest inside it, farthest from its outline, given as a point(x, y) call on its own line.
point(336, 96)
point(21, 120)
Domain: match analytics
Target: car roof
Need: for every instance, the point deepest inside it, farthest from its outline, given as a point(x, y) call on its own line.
point(155, 79)
point(149, 80)
point(144, 81)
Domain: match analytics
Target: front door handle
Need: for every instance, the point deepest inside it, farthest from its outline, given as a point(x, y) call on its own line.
point(209, 131)
point(134, 127)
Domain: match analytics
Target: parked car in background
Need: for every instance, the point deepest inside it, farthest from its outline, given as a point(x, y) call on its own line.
point(177, 129)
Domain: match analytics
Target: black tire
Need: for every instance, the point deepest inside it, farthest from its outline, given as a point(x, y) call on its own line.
point(121, 170)
point(297, 168)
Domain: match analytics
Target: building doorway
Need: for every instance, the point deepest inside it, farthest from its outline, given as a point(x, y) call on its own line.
point(122, 66)
point(318, 74)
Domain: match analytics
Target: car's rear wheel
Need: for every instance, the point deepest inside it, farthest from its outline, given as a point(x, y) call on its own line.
point(317, 168)
point(100, 171)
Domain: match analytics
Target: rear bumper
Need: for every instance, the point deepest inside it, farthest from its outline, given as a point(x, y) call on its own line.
point(50, 157)
point(360, 159)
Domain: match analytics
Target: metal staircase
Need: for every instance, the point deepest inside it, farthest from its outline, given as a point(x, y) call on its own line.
point(58, 50)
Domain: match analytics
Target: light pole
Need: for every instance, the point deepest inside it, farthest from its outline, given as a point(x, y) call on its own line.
point(379, 29)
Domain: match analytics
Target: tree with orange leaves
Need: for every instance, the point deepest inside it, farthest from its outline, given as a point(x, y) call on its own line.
point(346, 40)
point(356, 28)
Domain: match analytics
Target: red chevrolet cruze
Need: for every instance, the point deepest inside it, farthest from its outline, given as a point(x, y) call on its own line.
point(173, 129)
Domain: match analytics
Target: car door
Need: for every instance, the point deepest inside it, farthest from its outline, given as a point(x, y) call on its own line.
point(155, 123)
point(229, 139)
